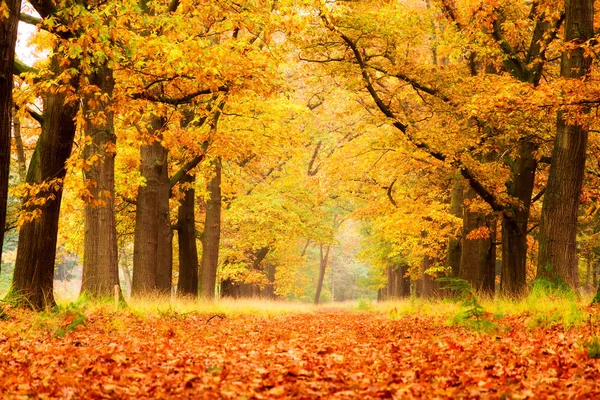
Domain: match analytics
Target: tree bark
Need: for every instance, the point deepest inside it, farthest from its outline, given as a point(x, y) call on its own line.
point(100, 257)
point(404, 281)
point(478, 256)
point(188, 251)
point(148, 247)
point(32, 284)
point(212, 235)
point(322, 268)
point(8, 39)
point(425, 285)
point(557, 260)
point(454, 247)
point(390, 283)
point(515, 220)
point(21, 162)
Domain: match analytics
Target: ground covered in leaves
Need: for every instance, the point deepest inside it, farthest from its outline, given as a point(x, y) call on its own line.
point(329, 353)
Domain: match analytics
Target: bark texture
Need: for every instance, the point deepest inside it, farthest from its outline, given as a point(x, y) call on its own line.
point(100, 259)
point(32, 284)
point(186, 235)
point(21, 162)
point(515, 220)
point(212, 235)
point(454, 247)
point(8, 39)
point(152, 261)
point(478, 255)
point(557, 260)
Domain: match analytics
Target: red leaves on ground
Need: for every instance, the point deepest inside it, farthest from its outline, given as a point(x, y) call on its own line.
point(328, 354)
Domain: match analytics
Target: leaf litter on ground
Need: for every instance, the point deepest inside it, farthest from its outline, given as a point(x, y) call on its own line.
point(330, 353)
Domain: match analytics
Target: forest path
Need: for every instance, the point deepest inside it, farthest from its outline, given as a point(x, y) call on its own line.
point(327, 354)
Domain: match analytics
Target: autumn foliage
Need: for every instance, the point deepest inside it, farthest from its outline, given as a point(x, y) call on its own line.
point(329, 353)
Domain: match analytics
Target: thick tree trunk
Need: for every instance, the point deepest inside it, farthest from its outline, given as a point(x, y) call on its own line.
point(454, 246)
point(426, 286)
point(212, 235)
point(478, 256)
point(164, 268)
point(404, 282)
point(149, 243)
point(32, 284)
point(391, 281)
point(557, 260)
point(230, 289)
point(188, 251)
point(8, 39)
point(324, 256)
point(515, 219)
point(100, 257)
point(268, 292)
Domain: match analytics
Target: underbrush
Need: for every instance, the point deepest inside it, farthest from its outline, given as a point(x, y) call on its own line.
point(547, 305)
point(67, 317)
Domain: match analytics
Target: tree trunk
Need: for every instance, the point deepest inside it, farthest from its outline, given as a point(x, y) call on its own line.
point(230, 289)
point(478, 256)
point(454, 247)
point(391, 281)
point(164, 264)
point(212, 235)
point(21, 162)
point(100, 257)
point(426, 286)
point(557, 260)
point(126, 272)
point(515, 219)
point(8, 39)
point(148, 247)
point(188, 251)
point(269, 291)
point(323, 257)
point(595, 275)
point(404, 289)
point(32, 284)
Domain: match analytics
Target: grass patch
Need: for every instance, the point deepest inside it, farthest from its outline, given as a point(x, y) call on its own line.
point(547, 305)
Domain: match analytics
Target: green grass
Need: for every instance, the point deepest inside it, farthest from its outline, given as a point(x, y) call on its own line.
point(543, 307)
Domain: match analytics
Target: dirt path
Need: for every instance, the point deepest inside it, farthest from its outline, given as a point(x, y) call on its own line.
point(329, 354)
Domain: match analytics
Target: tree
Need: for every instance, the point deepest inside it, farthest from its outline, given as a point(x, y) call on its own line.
point(9, 18)
point(558, 225)
point(187, 284)
point(212, 234)
point(100, 254)
point(32, 284)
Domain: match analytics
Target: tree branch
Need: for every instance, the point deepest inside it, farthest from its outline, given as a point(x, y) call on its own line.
point(45, 8)
point(311, 171)
point(389, 193)
point(19, 67)
point(512, 61)
point(538, 196)
point(29, 19)
point(35, 115)
point(177, 101)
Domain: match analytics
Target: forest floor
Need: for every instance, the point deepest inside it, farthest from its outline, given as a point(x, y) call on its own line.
point(345, 353)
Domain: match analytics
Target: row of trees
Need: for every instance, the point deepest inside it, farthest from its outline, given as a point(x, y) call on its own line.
point(447, 127)
point(496, 98)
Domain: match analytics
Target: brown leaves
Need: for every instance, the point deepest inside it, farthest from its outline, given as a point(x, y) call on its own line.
point(327, 354)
